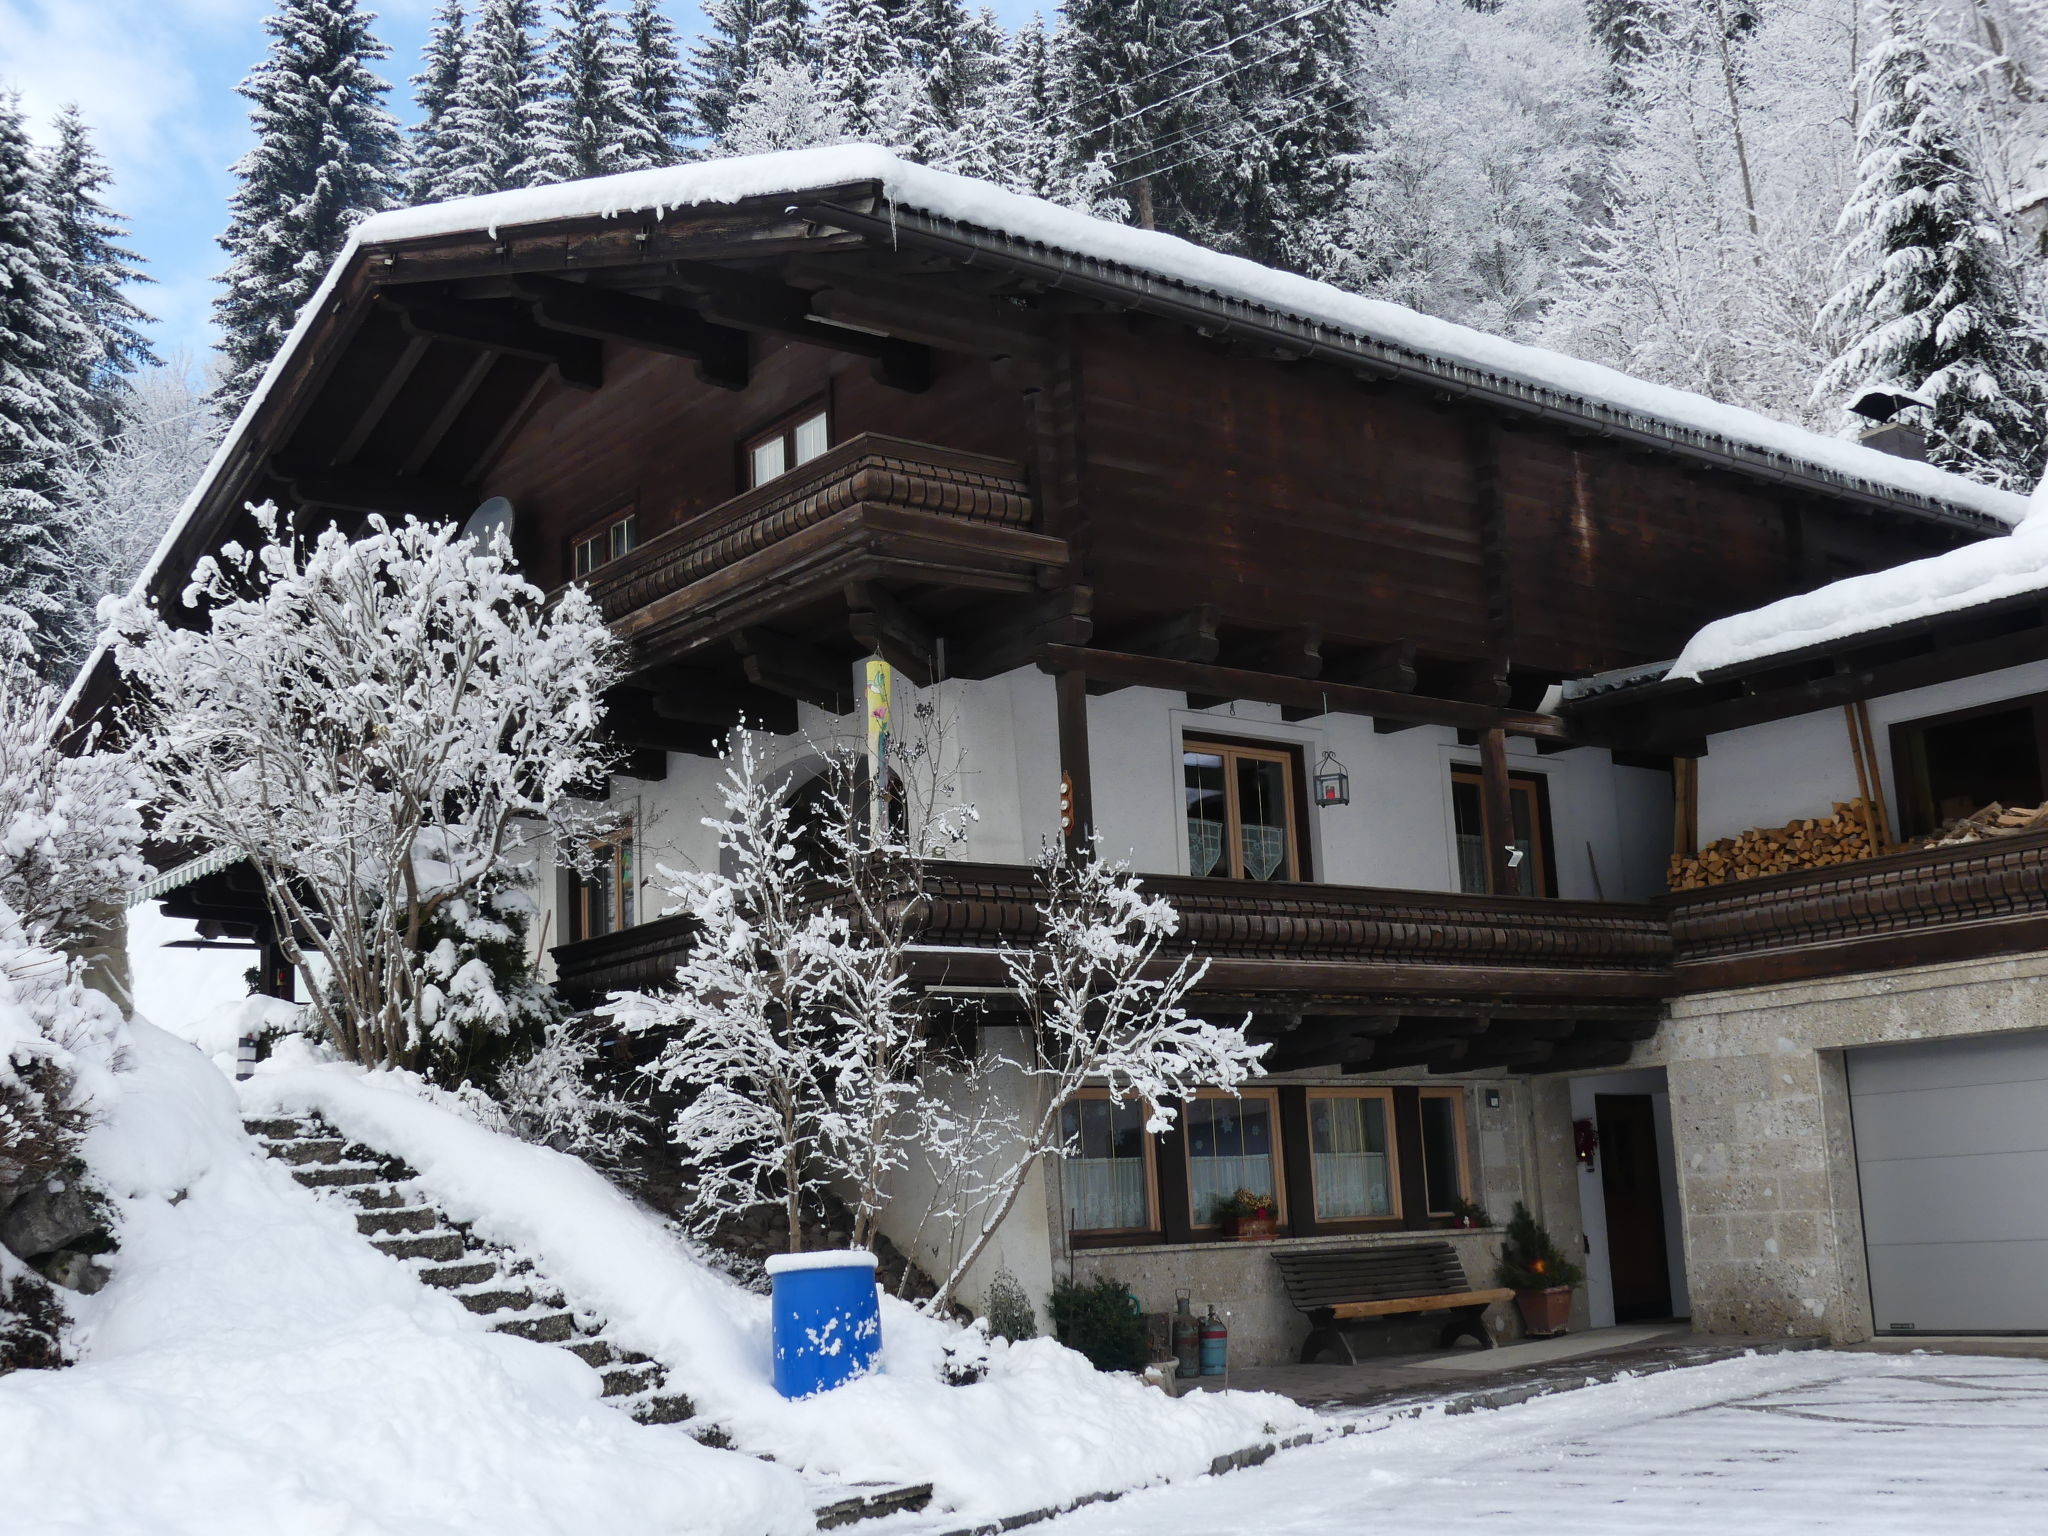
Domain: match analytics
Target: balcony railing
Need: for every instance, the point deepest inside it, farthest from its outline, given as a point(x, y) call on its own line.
point(870, 490)
point(1879, 914)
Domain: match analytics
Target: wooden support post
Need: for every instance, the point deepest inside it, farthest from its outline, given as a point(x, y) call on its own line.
point(1685, 807)
point(1076, 792)
point(1497, 813)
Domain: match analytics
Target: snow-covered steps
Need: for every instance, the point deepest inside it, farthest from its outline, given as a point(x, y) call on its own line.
point(396, 1217)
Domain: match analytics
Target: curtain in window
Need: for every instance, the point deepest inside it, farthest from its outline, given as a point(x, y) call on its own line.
point(1230, 1147)
point(1105, 1178)
point(1348, 1143)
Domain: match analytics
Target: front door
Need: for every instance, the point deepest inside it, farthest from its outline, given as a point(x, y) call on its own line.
point(1633, 1188)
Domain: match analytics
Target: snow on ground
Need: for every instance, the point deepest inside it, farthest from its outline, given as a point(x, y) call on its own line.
point(1774, 1445)
point(256, 1367)
point(1042, 1427)
point(2010, 566)
point(179, 988)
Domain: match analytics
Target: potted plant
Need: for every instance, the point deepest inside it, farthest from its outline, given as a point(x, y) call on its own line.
point(1247, 1215)
point(1467, 1213)
point(1541, 1277)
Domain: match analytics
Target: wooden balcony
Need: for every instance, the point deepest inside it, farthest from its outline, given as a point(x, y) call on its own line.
point(1902, 909)
point(872, 508)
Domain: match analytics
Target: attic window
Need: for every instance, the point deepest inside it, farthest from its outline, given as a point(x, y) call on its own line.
point(780, 449)
point(604, 544)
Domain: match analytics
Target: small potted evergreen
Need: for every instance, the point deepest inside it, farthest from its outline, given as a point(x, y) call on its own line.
point(1469, 1213)
point(1247, 1215)
point(1541, 1277)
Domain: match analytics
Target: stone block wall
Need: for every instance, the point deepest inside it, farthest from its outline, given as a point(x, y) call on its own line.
point(1765, 1147)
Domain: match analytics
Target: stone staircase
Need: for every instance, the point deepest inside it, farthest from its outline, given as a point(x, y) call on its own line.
point(394, 1215)
point(398, 1220)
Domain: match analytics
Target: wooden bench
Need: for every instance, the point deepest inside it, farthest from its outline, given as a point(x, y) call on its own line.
point(1335, 1286)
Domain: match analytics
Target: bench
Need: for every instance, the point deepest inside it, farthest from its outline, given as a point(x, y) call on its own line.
point(1335, 1286)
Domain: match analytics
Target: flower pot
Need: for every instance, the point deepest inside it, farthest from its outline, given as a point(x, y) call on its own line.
point(1248, 1229)
point(826, 1320)
point(1545, 1312)
point(1463, 1221)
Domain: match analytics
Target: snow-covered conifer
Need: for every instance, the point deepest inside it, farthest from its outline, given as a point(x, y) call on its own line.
point(96, 266)
point(378, 726)
point(1931, 304)
point(327, 154)
point(783, 106)
point(42, 403)
point(595, 126)
point(499, 121)
point(858, 57)
point(1016, 133)
point(434, 90)
point(741, 38)
point(654, 81)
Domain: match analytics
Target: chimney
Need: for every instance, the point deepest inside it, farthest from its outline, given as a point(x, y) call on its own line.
point(1887, 434)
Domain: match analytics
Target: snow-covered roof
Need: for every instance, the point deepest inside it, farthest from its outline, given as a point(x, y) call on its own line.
point(983, 206)
point(2012, 566)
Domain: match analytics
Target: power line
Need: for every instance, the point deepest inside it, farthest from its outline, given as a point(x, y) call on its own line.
point(1227, 43)
point(1214, 149)
point(1188, 135)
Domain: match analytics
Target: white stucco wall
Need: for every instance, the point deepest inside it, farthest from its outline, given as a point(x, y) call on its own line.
point(1770, 774)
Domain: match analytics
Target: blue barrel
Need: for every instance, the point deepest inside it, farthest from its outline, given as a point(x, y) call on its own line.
point(827, 1319)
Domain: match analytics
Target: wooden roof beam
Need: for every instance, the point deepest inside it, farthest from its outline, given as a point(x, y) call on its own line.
point(788, 666)
point(604, 314)
point(751, 303)
point(577, 360)
point(355, 490)
point(882, 627)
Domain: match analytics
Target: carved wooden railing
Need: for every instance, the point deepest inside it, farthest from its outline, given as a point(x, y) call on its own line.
point(634, 959)
point(1901, 909)
point(870, 471)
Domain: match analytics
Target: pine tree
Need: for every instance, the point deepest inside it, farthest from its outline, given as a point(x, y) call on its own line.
point(1017, 133)
point(41, 400)
point(741, 38)
point(857, 58)
point(1932, 304)
point(96, 267)
point(499, 120)
point(327, 154)
point(1145, 80)
point(595, 128)
point(654, 81)
point(434, 90)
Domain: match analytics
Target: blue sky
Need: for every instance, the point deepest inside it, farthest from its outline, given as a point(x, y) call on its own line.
point(156, 80)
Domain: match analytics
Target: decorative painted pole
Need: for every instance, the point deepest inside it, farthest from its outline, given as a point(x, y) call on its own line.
point(878, 688)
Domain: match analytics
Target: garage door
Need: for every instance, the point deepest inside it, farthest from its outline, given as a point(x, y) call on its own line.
point(1952, 1149)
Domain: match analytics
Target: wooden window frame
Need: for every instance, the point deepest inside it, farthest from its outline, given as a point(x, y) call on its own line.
point(1113, 1236)
point(1909, 770)
point(1292, 759)
point(1271, 1098)
point(628, 516)
point(1537, 785)
point(1385, 1094)
point(785, 427)
point(577, 905)
point(1459, 1142)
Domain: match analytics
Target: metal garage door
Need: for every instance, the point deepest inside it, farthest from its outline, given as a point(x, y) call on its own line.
point(1952, 1149)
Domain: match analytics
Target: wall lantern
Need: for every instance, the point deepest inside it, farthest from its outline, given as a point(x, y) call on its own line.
point(1585, 1142)
point(1332, 784)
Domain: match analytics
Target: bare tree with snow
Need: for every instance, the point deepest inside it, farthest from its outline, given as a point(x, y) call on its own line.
point(382, 727)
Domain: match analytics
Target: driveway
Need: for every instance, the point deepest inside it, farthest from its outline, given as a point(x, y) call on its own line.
point(1816, 1441)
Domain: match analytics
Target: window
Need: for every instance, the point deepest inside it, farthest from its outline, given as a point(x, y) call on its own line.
point(1443, 1148)
point(1232, 1145)
point(782, 448)
point(1536, 874)
point(1351, 1151)
point(1954, 764)
point(604, 544)
point(1109, 1177)
point(602, 901)
point(1243, 802)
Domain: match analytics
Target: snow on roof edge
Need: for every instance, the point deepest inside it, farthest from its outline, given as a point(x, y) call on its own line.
point(984, 205)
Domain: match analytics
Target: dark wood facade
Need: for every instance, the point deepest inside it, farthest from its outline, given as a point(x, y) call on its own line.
point(1041, 459)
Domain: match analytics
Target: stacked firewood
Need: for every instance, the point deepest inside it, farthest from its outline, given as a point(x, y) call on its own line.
point(1993, 820)
point(1812, 843)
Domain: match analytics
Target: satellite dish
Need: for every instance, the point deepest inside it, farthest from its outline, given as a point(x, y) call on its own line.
point(489, 520)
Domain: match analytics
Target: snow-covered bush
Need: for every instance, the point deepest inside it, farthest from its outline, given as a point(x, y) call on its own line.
point(383, 728)
point(570, 1094)
point(69, 824)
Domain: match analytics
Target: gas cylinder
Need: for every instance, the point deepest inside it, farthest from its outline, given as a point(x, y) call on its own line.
point(1215, 1343)
point(1187, 1338)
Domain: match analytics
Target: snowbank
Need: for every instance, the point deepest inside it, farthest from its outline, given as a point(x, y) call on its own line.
point(1042, 1427)
point(2012, 566)
point(986, 206)
point(254, 1366)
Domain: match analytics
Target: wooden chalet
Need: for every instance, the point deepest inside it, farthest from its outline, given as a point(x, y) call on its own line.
point(1173, 532)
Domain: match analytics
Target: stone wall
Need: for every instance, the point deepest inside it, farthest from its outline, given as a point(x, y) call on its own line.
point(1760, 1116)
